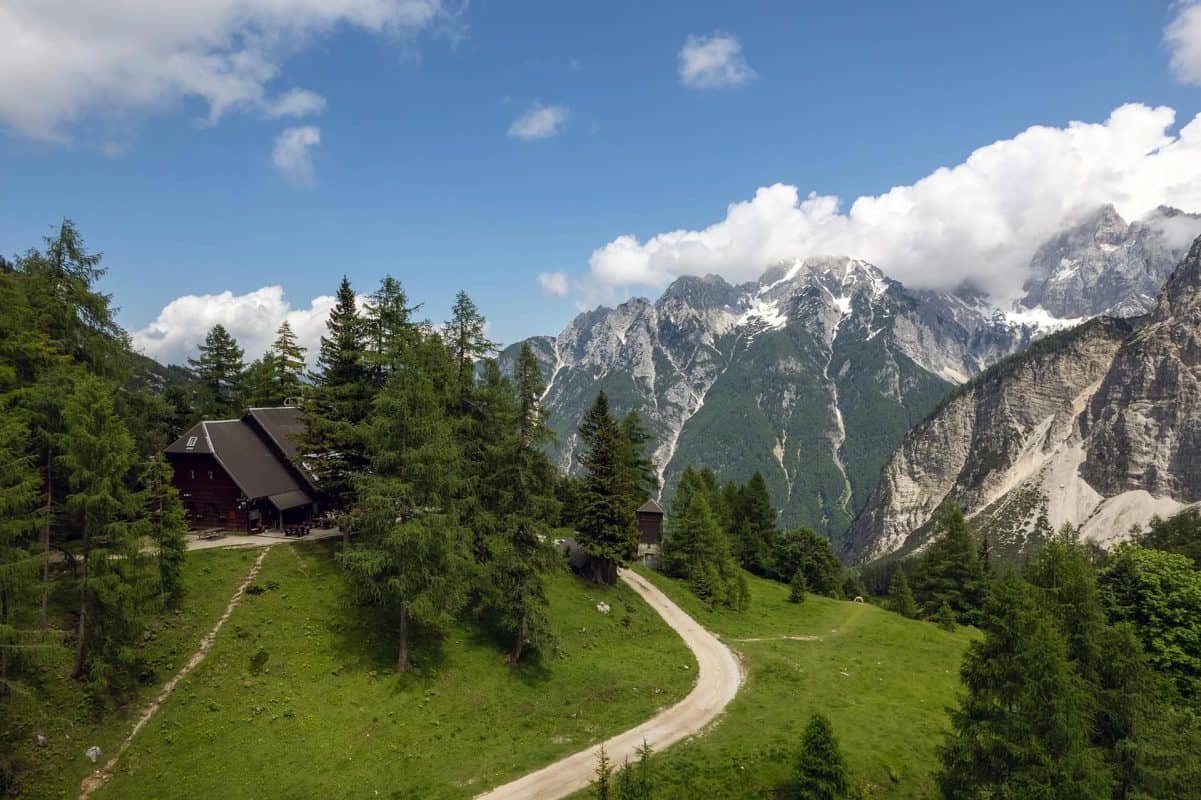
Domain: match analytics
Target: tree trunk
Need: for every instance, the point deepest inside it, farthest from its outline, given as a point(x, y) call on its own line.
point(83, 611)
point(402, 659)
point(518, 646)
point(46, 545)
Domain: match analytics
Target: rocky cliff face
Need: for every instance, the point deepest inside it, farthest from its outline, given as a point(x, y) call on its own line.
point(1102, 265)
point(1098, 427)
point(810, 375)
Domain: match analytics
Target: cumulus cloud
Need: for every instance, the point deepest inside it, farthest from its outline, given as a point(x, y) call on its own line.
point(553, 283)
point(292, 156)
point(251, 318)
point(540, 122)
point(980, 220)
point(62, 60)
point(714, 62)
point(1183, 37)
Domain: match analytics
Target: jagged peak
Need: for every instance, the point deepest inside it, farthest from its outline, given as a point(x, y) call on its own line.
point(1183, 288)
point(708, 291)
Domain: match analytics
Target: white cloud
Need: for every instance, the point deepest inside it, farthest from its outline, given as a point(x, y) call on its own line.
point(981, 219)
point(296, 103)
point(553, 283)
point(1183, 36)
point(291, 154)
point(714, 62)
point(540, 122)
point(251, 318)
point(62, 61)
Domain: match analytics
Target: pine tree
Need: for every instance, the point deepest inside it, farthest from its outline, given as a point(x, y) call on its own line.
point(900, 598)
point(163, 522)
point(465, 333)
point(606, 522)
point(797, 587)
point(115, 589)
point(821, 771)
point(220, 375)
point(951, 571)
point(1022, 729)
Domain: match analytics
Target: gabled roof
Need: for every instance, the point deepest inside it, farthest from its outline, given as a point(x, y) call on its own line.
point(650, 507)
point(247, 458)
point(284, 427)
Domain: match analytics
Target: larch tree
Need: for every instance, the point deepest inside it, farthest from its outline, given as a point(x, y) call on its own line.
point(115, 594)
point(220, 374)
point(388, 328)
point(466, 334)
point(20, 560)
point(605, 520)
point(1022, 728)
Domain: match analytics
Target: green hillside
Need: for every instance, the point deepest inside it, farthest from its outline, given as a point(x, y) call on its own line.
point(884, 681)
point(299, 698)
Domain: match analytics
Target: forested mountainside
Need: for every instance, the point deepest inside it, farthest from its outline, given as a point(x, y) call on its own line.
point(1098, 427)
point(813, 374)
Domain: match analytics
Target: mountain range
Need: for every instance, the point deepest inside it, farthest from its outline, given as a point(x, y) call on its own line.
point(814, 374)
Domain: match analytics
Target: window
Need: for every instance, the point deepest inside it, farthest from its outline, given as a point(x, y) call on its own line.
point(210, 474)
point(191, 442)
point(191, 474)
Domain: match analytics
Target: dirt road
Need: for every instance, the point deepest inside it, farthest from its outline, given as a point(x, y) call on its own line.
point(718, 680)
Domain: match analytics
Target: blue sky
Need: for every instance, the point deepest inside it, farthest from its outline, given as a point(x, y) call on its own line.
point(417, 172)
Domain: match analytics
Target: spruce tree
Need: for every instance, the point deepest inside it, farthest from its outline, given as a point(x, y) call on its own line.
point(697, 549)
point(388, 328)
point(604, 776)
point(755, 525)
point(1022, 729)
point(639, 478)
point(219, 375)
point(797, 587)
point(821, 770)
point(259, 382)
point(288, 364)
point(20, 560)
point(804, 550)
point(606, 522)
point(900, 598)
point(162, 521)
point(338, 402)
point(950, 571)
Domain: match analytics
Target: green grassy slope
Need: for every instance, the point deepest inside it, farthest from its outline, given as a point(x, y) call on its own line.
point(298, 698)
point(70, 722)
point(884, 681)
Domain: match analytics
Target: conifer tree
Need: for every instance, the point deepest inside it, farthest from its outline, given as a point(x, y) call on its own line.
point(606, 522)
point(219, 374)
point(408, 556)
point(804, 550)
point(640, 480)
point(900, 598)
point(1022, 729)
point(115, 589)
point(338, 402)
point(259, 382)
point(465, 333)
point(288, 364)
point(697, 549)
point(797, 587)
point(388, 328)
point(20, 561)
point(944, 617)
point(755, 525)
point(518, 494)
point(951, 571)
point(163, 522)
point(821, 770)
point(604, 776)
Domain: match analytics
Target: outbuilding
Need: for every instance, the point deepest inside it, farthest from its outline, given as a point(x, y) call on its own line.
point(650, 530)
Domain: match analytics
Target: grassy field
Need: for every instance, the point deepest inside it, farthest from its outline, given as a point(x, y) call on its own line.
point(72, 724)
point(884, 681)
point(299, 699)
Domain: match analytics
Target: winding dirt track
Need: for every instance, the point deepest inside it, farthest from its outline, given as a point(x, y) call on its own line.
point(719, 677)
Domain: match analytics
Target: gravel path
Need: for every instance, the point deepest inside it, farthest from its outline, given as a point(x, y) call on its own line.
point(719, 677)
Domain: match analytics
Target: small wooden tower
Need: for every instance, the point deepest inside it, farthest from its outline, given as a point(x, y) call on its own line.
point(650, 530)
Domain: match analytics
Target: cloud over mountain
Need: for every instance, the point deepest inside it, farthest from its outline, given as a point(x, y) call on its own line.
point(979, 221)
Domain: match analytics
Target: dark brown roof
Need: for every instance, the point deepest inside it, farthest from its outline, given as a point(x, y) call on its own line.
point(650, 507)
point(282, 424)
point(249, 460)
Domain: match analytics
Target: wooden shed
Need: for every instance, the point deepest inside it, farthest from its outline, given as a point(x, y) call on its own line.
point(650, 530)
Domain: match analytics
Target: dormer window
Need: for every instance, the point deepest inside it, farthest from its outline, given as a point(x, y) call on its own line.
point(192, 442)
